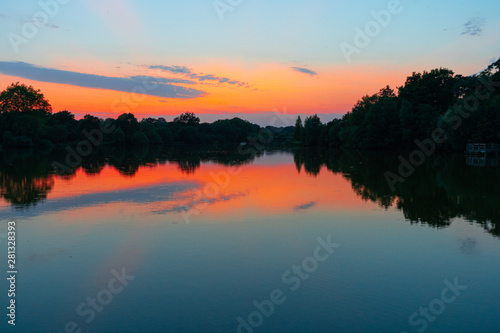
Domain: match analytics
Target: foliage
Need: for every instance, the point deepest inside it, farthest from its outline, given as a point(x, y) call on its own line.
point(140, 139)
point(118, 137)
point(187, 118)
point(25, 99)
point(298, 130)
point(312, 130)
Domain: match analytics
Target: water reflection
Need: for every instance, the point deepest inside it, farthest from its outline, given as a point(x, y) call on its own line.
point(27, 177)
point(442, 189)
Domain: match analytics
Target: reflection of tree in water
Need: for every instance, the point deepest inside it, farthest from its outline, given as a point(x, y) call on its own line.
point(26, 178)
point(24, 191)
point(312, 159)
point(441, 189)
point(24, 183)
point(190, 158)
point(188, 161)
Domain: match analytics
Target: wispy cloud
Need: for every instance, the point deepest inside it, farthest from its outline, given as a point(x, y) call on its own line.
point(211, 77)
point(305, 206)
point(26, 19)
point(200, 77)
point(172, 69)
point(474, 27)
point(304, 71)
point(153, 79)
point(164, 87)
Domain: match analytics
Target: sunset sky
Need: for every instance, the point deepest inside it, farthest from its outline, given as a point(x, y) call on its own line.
point(247, 59)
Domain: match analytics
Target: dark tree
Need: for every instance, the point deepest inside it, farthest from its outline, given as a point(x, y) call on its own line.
point(129, 125)
point(89, 123)
point(298, 130)
point(187, 118)
point(386, 92)
point(436, 88)
point(312, 130)
point(21, 98)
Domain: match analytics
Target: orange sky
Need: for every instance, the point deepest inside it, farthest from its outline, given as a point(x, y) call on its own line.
point(271, 87)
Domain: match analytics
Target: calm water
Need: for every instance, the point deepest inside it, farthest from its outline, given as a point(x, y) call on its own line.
point(205, 241)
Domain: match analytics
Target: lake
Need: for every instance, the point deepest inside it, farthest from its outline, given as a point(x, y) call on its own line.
point(213, 240)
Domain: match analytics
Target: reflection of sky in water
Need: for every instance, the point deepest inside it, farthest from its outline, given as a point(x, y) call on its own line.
point(201, 276)
point(157, 193)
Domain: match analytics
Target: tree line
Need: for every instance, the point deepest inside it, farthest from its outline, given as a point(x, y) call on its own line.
point(464, 109)
point(27, 120)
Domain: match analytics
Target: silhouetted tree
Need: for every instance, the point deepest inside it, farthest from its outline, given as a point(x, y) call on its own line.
point(298, 130)
point(22, 98)
point(187, 118)
point(139, 139)
point(129, 125)
point(312, 130)
point(436, 88)
point(166, 135)
point(118, 137)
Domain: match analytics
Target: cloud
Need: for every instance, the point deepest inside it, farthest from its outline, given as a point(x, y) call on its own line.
point(200, 77)
point(304, 71)
point(53, 26)
point(172, 69)
point(305, 206)
point(159, 87)
point(211, 77)
point(474, 27)
point(152, 79)
point(38, 21)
